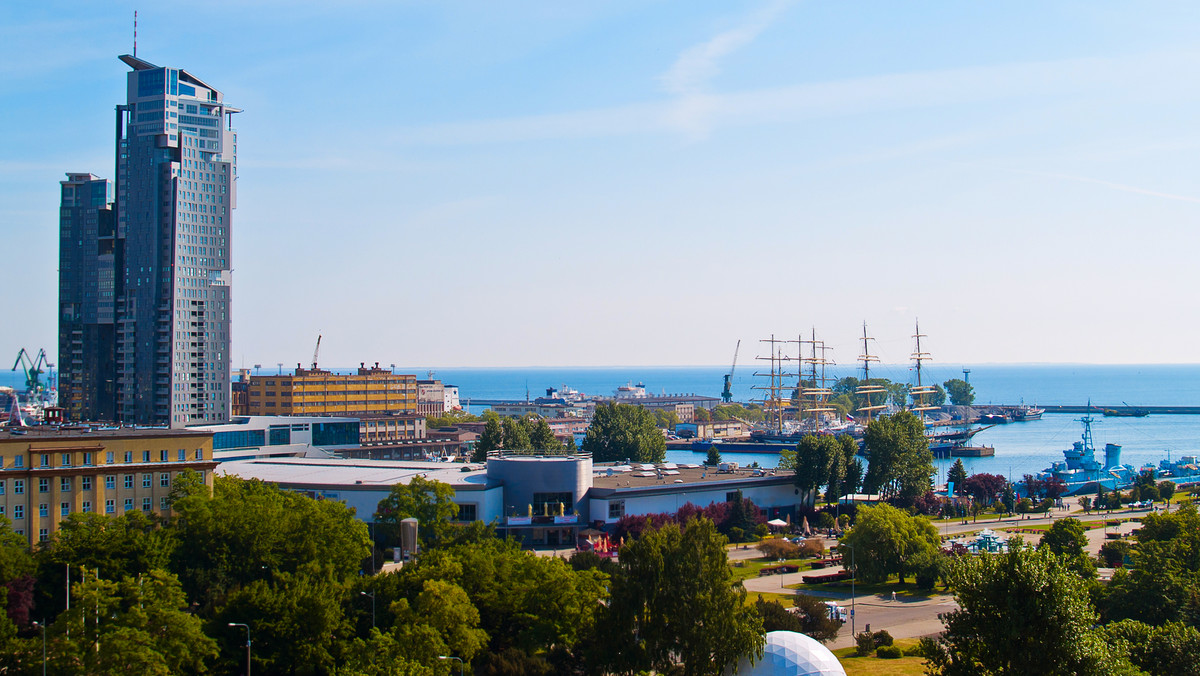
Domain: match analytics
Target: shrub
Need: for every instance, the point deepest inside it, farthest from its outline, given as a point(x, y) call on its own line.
point(779, 548)
point(762, 530)
point(1024, 505)
point(889, 652)
point(882, 638)
point(737, 534)
point(1112, 554)
point(812, 547)
point(864, 643)
point(824, 520)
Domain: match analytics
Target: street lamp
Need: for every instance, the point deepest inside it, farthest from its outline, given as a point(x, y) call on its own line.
point(42, 624)
point(372, 595)
point(451, 657)
point(853, 575)
point(247, 628)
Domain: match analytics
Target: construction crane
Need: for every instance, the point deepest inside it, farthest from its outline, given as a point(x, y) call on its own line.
point(316, 351)
point(727, 393)
point(33, 369)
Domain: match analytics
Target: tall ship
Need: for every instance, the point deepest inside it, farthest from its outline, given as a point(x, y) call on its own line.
point(1082, 473)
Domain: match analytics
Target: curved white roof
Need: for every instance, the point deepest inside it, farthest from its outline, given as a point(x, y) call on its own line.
point(788, 653)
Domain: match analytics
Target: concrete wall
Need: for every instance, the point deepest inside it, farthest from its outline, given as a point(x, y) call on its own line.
point(766, 498)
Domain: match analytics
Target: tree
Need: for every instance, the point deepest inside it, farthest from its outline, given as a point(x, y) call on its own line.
point(516, 436)
point(814, 618)
point(1166, 491)
point(665, 419)
point(854, 475)
point(812, 461)
point(886, 541)
point(621, 431)
point(958, 476)
point(1165, 650)
point(450, 418)
point(714, 456)
point(430, 502)
point(491, 439)
point(542, 438)
point(1068, 538)
point(899, 464)
point(675, 601)
point(985, 487)
point(1021, 613)
point(961, 392)
point(702, 415)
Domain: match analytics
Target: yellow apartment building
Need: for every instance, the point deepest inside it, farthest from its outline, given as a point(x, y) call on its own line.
point(48, 472)
point(371, 391)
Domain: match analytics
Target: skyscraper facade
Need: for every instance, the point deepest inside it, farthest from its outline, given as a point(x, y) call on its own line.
point(155, 267)
point(88, 261)
point(175, 195)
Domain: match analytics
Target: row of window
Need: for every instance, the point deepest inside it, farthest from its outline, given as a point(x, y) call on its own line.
point(110, 507)
point(85, 483)
point(45, 459)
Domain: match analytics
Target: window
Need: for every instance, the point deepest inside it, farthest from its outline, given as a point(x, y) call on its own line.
point(64, 508)
point(145, 456)
point(164, 479)
point(18, 511)
point(110, 481)
point(145, 504)
point(110, 506)
point(108, 457)
point(43, 485)
point(733, 496)
point(128, 456)
point(547, 504)
point(162, 455)
point(199, 454)
point(182, 455)
point(19, 462)
point(146, 478)
point(467, 512)
point(128, 481)
point(1, 487)
point(45, 460)
point(128, 504)
point(1, 510)
point(87, 458)
point(66, 459)
point(64, 484)
point(616, 509)
point(87, 506)
point(162, 502)
point(43, 510)
point(18, 486)
point(43, 535)
point(85, 483)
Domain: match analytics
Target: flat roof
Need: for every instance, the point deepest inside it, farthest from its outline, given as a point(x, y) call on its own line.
point(66, 432)
point(356, 473)
point(637, 477)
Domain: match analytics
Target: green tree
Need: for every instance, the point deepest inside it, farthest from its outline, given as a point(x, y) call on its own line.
point(714, 456)
point(888, 541)
point(854, 475)
point(961, 392)
point(811, 463)
point(1021, 613)
point(621, 431)
point(444, 608)
point(665, 419)
point(1166, 650)
point(516, 436)
point(900, 464)
point(675, 601)
point(702, 415)
point(541, 437)
point(813, 616)
point(1166, 491)
point(958, 476)
point(431, 503)
point(449, 419)
point(491, 439)
point(1068, 538)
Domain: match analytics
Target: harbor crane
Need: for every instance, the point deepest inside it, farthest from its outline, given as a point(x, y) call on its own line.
point(33, 369)
point(727, 393)
point(316, 351)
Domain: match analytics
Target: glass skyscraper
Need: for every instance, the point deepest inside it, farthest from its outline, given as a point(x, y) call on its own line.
point(175, 193)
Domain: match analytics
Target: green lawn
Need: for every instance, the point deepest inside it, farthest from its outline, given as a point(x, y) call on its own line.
point(749, 568)
point(907, 590)
point(874, 666)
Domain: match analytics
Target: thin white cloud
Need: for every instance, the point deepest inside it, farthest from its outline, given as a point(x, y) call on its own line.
point(1115, 186)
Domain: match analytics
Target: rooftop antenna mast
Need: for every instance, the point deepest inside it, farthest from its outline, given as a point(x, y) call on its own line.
point(135, 33)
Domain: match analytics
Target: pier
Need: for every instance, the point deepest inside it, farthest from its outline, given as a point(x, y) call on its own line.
point(1100, 408)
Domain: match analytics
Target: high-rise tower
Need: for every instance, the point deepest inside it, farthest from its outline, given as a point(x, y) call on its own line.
point(175, 192)
point(89, 258)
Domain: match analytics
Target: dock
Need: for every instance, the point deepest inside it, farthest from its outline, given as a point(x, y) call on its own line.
point(964, 452)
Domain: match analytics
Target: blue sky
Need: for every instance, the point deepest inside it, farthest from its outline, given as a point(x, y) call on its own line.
point(484, 183)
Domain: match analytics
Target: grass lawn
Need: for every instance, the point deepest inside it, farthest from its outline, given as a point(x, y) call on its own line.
point(874, 666)
point(749, 567)
point(907, 590)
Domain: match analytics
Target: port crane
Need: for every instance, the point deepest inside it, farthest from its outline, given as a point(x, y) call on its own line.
point(727, 393)
point(33, 369)
point(316, 351)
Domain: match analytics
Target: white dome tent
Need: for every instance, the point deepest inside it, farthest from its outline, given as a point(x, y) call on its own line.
point(788, 653)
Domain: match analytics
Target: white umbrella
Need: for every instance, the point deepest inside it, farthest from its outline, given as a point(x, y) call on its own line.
point(777, 523)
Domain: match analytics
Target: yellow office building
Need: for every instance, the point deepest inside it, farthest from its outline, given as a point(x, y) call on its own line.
point(318, 392)
point(47, 473)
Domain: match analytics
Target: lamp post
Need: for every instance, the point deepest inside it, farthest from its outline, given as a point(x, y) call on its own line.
point(853, 575)
point(42, 624)
point(451, 657)
point(372, 595)
point(247, 628)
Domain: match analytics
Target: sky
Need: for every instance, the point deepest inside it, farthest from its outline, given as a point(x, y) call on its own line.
point(647, 183)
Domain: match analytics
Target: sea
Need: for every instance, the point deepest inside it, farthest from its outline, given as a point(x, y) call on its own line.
point(1021, 448)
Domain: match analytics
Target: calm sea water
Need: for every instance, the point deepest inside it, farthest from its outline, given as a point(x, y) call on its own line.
point(1021, 448)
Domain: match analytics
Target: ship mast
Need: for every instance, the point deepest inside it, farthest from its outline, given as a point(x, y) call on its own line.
point(772, 401)
point(814, 396)
point(921, 391)
point(866, 389)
